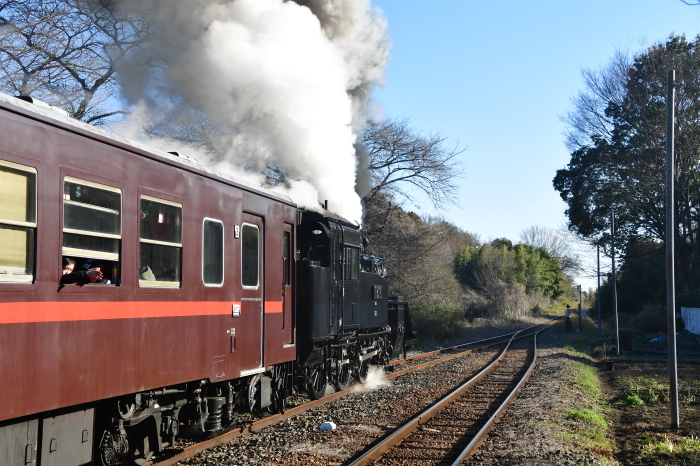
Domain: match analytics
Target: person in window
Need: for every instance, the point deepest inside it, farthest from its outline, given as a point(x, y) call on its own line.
point(81, 277)
point(145, 273)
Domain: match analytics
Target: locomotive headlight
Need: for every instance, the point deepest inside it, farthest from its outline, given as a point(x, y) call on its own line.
point(316, 232)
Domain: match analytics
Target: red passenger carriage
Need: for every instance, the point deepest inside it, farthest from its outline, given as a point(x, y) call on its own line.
point(182, 306)
point(198, 287)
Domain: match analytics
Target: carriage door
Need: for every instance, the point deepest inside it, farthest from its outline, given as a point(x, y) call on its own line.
point(252, 284)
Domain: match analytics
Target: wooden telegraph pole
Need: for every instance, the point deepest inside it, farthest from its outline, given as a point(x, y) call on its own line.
point(614, 278)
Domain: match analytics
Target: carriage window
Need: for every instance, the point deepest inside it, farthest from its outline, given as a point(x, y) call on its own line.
point(286, 239)
point(249, 255)
point(213, 253)
point(160, 243)
point(352, 263)
point(92, 226)
point(17, 222)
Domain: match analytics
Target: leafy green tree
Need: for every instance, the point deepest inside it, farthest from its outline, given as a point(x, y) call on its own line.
point(619, 163)
point(559, 246)
point(641, 283)
point(485, 267)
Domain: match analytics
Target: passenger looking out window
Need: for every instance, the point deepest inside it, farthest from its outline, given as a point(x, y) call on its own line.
point(81, 277)
point(92, 226)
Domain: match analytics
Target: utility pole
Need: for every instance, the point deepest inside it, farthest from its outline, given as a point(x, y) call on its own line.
point(579, 308)
point(612, 240)
point(600, 322)
point(670, 240)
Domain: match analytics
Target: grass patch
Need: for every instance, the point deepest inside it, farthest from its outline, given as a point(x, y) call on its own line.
point(588, 415)
point(587, 379)
point(656, 390)
point(672, 444)
point(577, 346)
point(589, 428)
point(685, 448)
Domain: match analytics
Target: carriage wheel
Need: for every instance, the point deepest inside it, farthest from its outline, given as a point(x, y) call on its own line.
point(250, 398)
point(279, 393)
point(143, 442)
point(318, 379)
point(112, 448)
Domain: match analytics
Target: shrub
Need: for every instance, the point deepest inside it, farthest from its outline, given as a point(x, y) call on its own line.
point(650, 319)
point(437, 322)
point(632, 400)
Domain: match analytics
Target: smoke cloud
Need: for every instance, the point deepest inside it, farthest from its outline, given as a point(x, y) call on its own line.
point(281, 83)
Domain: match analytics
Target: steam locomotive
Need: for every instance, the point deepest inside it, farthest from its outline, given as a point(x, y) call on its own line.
point(214, 296)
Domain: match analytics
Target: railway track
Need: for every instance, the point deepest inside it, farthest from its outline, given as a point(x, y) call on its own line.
point(401, 368)
point(451, 430)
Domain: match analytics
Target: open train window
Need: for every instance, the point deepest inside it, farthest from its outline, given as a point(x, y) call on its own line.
point(250, 255)
point(213, 252)
point(160, 232)
point(17, 222)
point(352, 263)
point(92, 226)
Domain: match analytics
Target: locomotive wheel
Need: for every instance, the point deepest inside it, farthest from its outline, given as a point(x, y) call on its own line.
point(343, 378)
point(386, 357)
point(318, 379)
point(362, 371)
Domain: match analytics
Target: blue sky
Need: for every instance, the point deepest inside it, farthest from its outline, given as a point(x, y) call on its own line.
point(496, 76)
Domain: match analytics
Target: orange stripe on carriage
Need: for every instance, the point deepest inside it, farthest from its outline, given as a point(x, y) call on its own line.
point(32, 312)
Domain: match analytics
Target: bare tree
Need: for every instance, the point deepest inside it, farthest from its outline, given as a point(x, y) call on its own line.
point(603, 87)
point(558, 245)
point(402, 159)
point(419, 255)
point(66, 53)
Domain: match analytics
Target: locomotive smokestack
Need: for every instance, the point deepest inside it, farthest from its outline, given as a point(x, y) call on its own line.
point(325, 204)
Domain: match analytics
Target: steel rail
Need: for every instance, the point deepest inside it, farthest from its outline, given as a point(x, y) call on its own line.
point(407, 429)
point(491, 342)
point(378, 450)
point(484, 431)
point(257, 426)
point(473, 345)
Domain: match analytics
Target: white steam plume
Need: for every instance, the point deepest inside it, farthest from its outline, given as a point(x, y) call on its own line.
point(376, 378)
point(288, 83)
